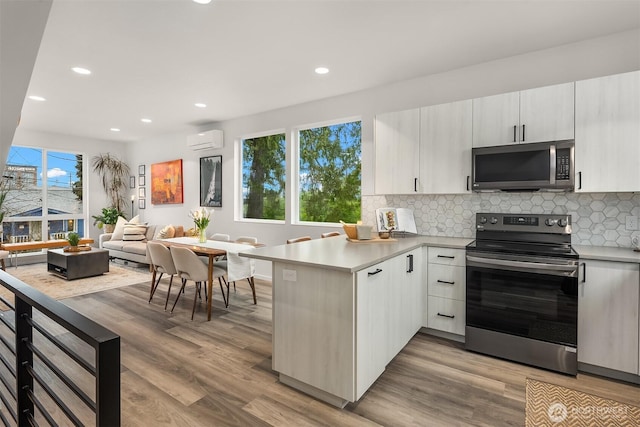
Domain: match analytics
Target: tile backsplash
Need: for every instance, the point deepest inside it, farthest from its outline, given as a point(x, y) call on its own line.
point(598, 218)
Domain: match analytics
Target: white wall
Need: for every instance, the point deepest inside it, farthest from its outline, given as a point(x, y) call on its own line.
point(94, 197)
point(592, 58)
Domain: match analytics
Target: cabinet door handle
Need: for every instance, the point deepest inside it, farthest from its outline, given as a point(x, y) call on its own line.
point(515, 129)
point(580, 180)
point(523, 133)
point(446, 282)
point(410, 262)
point(446, 256)
point(415, 185)
point(373, 273)
point(468, 177)
point(584, 272)
point(450, 316)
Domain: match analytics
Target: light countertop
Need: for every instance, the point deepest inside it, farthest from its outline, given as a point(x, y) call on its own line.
point(337, 253)
point(606, 253)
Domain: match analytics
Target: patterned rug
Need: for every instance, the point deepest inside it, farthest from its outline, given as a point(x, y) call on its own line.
point(553, 405)
point(36, 275)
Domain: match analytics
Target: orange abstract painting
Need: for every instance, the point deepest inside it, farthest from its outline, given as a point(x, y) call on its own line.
point(166, 182)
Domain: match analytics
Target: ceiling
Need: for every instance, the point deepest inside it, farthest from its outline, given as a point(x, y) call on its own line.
point(156, 58)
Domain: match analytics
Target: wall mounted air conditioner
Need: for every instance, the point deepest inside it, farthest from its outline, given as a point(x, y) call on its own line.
point(205, 140)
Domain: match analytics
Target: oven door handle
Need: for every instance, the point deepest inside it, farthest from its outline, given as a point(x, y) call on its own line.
point(534, 267)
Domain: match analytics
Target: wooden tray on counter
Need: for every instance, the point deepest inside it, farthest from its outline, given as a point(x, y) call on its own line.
point(373, 240)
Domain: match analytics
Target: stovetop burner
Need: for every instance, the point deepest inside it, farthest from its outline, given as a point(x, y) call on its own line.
point(524, 234)
point(520, 248)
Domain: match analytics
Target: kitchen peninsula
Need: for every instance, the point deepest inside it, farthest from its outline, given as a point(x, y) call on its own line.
point(343, 310)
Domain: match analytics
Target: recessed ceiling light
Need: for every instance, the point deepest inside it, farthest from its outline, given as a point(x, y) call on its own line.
point(114, 130)
point(200, 105)
point(202, 1)
point(81, 70)
point(36, 98)
point(321, 70)
point(146, 120)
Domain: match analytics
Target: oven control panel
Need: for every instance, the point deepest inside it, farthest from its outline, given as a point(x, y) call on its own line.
point(536, 223)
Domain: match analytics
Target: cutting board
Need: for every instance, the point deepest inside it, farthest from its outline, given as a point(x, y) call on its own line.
point(374, 240)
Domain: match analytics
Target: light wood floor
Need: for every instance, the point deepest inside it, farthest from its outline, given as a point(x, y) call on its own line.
point(178, 372)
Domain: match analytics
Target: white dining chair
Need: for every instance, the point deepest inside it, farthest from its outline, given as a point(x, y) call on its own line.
point(161, 262)
point(190, 267)
point(221, 237)
point(248, 240)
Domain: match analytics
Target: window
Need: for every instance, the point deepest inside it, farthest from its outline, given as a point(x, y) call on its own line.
point(41, 206)
point(264, 177)
point(329, 173)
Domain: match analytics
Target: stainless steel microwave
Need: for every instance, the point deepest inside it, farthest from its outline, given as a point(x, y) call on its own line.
point(524, 167)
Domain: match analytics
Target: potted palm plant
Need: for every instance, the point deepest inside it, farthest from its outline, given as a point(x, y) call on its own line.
point(114, 174)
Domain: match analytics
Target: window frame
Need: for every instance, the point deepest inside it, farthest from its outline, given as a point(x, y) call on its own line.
point(47, 217)
point(295, 169)
point(239, 195)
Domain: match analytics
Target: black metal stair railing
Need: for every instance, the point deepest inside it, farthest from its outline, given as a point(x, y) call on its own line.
point(56, 366)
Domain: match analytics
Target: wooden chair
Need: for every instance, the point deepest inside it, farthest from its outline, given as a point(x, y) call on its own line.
point(298, 239)
point(3, 255)
point(247, 240)
point(190, 267)
point(161, 262)
point(330, 234)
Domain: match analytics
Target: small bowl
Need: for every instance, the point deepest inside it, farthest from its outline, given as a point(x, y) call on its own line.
point(384, 234)
point(351, 231)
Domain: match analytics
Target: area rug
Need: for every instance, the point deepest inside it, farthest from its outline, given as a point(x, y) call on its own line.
point(553, 405)
point(36, 275)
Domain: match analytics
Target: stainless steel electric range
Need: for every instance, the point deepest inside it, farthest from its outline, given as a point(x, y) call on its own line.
point(522, 290)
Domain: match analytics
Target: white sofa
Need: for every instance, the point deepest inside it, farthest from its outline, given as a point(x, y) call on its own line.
point(136, 250)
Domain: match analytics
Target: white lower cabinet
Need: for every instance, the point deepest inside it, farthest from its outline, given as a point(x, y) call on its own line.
point(446, 315)
point(608, 302)
point(446, 290)
point(405, 300)
point(372, 324)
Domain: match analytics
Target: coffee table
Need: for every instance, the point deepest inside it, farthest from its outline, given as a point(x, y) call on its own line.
point(77, 265)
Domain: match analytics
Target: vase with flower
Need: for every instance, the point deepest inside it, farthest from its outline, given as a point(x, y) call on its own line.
point(201, 218)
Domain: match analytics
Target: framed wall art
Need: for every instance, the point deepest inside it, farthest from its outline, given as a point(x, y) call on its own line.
point(132, 181)
point(211, 181)
point(141, 181)
point(142, 193)
point(141, 204)
point(166, 183)
point(141, 170)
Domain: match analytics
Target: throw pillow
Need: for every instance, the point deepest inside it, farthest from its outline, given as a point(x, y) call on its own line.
point(190, 232)
point(166, 232)
point(134, 233)
point(118, 231)
point(179, 231)
point(134, 220)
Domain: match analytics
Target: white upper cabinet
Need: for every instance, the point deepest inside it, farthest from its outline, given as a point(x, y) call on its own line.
point(397, 152)
point(547, 113)
point(608, 133)
point(495, 119)
point(534, 115)
point(445, 148)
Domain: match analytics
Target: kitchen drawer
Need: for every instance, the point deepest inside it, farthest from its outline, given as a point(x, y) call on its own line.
point(446, 256)
point(447, 281)
point(446, 315)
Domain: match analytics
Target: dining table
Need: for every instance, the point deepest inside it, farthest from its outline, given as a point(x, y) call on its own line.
point(238, 268)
